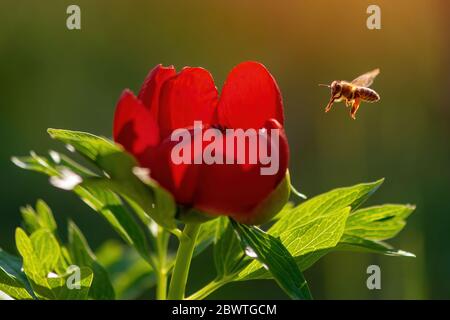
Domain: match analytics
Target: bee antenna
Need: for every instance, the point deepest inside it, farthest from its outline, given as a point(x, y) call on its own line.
point(324, 85)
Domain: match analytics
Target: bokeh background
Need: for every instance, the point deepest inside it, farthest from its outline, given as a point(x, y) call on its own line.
point(53, 77)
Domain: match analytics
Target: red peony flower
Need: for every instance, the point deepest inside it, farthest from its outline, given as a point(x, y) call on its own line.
point(167, 101)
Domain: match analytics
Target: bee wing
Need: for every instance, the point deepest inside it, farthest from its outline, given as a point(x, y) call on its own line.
point(366, 79)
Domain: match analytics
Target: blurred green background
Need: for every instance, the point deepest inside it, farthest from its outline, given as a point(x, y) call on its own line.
point(53, 77)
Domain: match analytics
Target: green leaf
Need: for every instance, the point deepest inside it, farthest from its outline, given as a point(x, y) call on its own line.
point(99, 198)
point(35, 163)
point(378, 222)
point(83, 256)
point(120, 167)
point(64, 161)
point(365, 228)
point(32, 266)
point(99, 150)
point(305, 261)
point(206, 235)
point(42, 217)
point(13, 281)
point(319, 234)
point(64, 261)
point(62, 288)
point(271, 253)
point(25, 247)
point(354, 243)
point(46, 218)
point(326, 203)
point(30, 219)
point(47, 250)
point(13, 287)
point(38, 253)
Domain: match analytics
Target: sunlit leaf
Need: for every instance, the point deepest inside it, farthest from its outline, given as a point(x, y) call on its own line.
point(206, 235)
point(378, 222)
point(46, 218)
point(42, 217)
point(274, 256)
point(32, 266)
point(47, 249)
point(354, 243)
point(13, 281)
point(319, 234)
point(324, 204)
point(30, 219)
point(311, 228)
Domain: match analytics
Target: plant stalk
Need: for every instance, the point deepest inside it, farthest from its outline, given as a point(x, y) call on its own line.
point(183, 261)
point(207, 290)
point(162, 241)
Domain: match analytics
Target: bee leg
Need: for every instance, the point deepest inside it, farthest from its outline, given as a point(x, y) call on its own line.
point(355, 107)
point(329, 105)
point(349, 103)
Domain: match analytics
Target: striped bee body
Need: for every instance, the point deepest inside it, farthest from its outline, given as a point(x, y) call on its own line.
point(366, 94)
point(353, 92)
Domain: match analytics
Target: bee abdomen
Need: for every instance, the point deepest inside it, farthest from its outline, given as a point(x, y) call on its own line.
point(367, 94)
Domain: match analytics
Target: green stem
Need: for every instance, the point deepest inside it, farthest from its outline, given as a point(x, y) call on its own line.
point(207, 290)
point(183, 261)
point(162, 242)
point(161, 288)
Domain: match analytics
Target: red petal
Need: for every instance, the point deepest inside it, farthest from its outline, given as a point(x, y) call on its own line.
point(250, 97)
point(180, 179)
point(235, 189)
point(134, 127)
point(150, 90)
point(190, 96)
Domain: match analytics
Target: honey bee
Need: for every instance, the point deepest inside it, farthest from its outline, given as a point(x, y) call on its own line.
point(353, 92)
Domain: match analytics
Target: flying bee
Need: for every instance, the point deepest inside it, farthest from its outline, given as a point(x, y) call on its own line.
point(353, 92)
